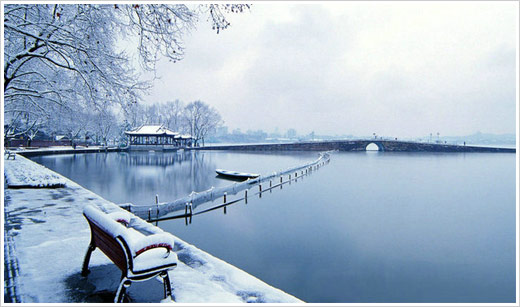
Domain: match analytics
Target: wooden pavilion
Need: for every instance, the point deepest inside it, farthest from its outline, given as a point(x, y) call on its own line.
point(157, 137)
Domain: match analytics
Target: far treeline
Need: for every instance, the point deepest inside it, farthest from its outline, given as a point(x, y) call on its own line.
point(64, 75)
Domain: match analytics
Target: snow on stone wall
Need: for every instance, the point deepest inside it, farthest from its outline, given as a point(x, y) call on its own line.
point(22, 172)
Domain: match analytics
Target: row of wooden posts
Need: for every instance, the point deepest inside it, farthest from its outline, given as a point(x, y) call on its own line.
point(188, 209)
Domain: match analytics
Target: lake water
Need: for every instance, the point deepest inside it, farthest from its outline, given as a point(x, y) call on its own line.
point(368, 227)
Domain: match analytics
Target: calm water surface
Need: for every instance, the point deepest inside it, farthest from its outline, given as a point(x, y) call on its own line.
point(368, 227)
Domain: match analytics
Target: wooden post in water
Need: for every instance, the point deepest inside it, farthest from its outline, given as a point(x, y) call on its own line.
point(225, 194)
point(245, 196)
point(157, 206)
point(186, 214)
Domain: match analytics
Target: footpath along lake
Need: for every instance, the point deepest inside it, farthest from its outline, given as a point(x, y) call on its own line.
point(367, 227)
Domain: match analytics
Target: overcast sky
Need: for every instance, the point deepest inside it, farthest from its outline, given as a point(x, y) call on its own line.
point(400, 69)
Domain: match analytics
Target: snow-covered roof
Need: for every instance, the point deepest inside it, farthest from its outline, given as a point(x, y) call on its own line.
point(184, 136)
point(152, 130)
point(61, 137)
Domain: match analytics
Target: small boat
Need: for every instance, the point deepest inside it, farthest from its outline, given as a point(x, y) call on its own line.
point(235, 174)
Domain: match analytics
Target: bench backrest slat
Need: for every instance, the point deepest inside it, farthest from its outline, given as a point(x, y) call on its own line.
point(108, 245)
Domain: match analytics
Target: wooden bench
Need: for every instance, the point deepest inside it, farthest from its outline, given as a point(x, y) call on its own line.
point(139, 257)
point(10, 154)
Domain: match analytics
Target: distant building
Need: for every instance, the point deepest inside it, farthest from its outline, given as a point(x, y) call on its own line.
point(61, 138)
point(157, 137)
point(291, 133)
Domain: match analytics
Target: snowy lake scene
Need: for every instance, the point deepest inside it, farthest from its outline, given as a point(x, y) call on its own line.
point(280, 153)
point(329, 236)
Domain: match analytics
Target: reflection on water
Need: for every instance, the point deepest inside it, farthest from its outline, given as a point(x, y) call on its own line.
point(368, 227)
point(136, 177)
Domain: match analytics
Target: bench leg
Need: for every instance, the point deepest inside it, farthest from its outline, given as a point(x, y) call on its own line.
point(85, 271)
point(121, 290)
point(167, 285)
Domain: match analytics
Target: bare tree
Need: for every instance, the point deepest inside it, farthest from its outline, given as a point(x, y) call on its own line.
point(135, 115)
point(201, 120)
point(62, 53)
point(56, 54)
point(23, 124)
point(103, 125)
point(73, 122)
point(169, 114)
point(173, 112)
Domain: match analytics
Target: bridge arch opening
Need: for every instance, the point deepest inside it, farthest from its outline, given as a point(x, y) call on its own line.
point(372, 147)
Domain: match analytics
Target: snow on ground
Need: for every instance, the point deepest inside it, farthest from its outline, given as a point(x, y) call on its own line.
point(55, 148)
point(51, 237)
point(24, 172)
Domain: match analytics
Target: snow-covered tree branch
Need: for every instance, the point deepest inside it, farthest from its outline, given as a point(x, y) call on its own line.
point(200, 120)
point(66, 55)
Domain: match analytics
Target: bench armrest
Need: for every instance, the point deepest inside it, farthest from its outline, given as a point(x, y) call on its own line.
point(139, 245)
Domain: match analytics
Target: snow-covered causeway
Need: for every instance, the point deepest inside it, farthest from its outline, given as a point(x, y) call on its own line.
point(47, 237)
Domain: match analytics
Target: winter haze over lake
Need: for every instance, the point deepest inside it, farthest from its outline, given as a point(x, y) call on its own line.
point(403, 69)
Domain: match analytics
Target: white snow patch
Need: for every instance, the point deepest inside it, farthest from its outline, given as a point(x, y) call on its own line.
point(24, 172)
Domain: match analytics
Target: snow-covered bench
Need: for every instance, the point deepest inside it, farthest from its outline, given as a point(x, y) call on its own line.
point(10, 154)
point(139, 257)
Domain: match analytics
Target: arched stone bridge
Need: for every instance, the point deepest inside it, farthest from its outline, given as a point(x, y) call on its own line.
point(360, 145)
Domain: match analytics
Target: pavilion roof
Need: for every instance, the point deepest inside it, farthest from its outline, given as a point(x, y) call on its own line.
point(184, 136)
point(152, 130)
point(156, 130)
